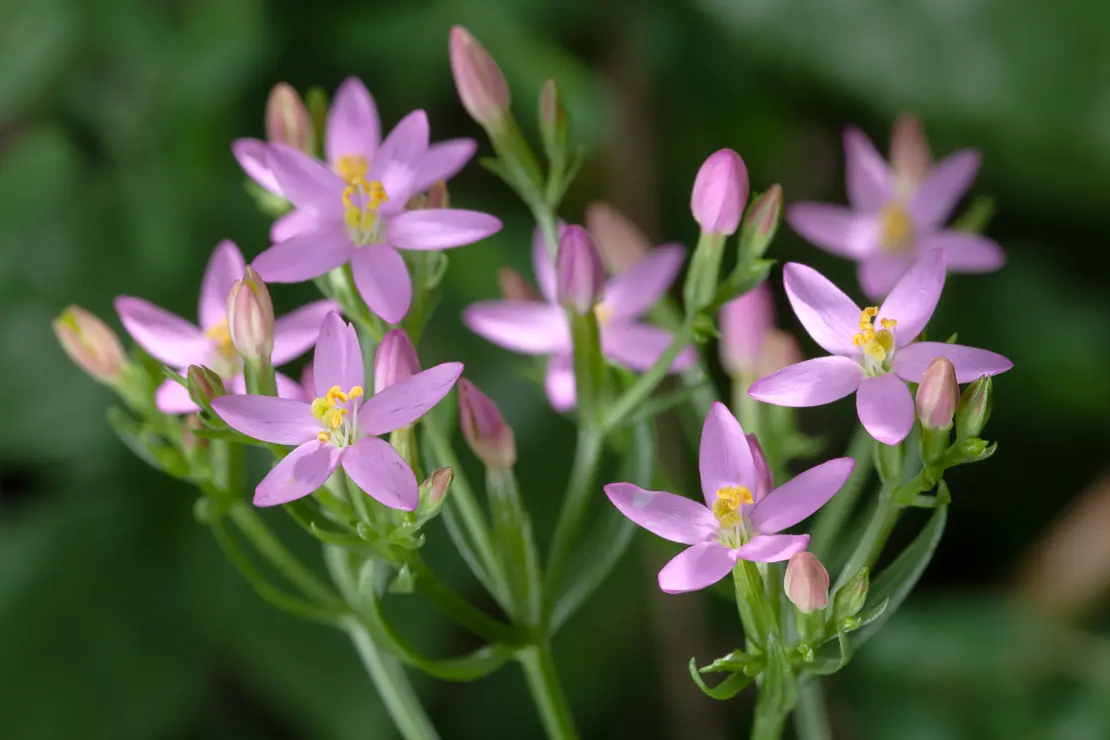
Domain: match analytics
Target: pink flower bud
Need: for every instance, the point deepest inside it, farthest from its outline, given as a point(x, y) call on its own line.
point(485, 429)
point(910, 158)
point(807, 582)
point(720, 193)
point(765, 212)
point(482, 87)
point(287, 119)
point(250, 317)
point(764, 481)
point(745, 324)
point(437, 195)
point(90, 344)
point(204, 385)
point(514, 287)
point(579, 273)
point(395, 360)
point(438, 484)
point(620, 241)
point(938, 395)
point(779, 350)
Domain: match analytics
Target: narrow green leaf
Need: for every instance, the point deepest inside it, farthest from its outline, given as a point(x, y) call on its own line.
point(726, 689)
point(148, 446)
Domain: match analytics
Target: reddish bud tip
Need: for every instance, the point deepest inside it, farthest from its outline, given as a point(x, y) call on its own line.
point(485, 429)
point(579, 273)
point(438, 484)
point(622, 244)
point(938, 395)
point(764, 481)
point(910, 158)
point(720, 193)
point(765, 212)
point(807, 582)
point(395, 360)
point(287, 119)
point(250, 317)
point(91, 345)
point(482, 87)
point(514, 287)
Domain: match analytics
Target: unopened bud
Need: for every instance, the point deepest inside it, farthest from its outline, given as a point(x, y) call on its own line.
point(807, 582)
point(287, 119)
point(761, 223)
point(395, 360)
point(720, 193)
point(91, 345)
point(938, 395)
point(204, 386)
point(764, 481)
point(975, 408)
point(851, 597)
point(485, 429)
point(622, 244)
point(433, 491)
point(437, 195)
point(745, 324)
point(779, 350)
point(250, 317)
point(514, 287)
point(910, 157)
point(579, 273)
point(553, 122)
point(482, 87)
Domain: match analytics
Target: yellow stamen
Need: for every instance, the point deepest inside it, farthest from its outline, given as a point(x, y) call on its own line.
point(320, 407)
point(726, 508)
point(335, 394)
point(220, 335)
point(875, 344)
point(896, 228)
point(323, 436)
point(355, 392)
point(334, 417)
point(603, 312)
point(352, 167)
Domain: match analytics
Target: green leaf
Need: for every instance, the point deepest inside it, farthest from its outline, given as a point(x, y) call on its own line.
point(726, 689)
point(977, 216)
point(148, 446)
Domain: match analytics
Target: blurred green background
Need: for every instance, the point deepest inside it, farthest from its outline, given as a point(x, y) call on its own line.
point(120, 620)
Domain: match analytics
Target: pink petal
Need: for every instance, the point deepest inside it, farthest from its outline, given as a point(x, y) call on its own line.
point(772, 548)
point(724, 457)
point(381, 472)
point(352, 128)
point(295, 333)
point(671, 517)
point(947, 182)
point(383, 281)
point(338, 359)
point(289, 388)
point(306, 182)
point(634, 292)
point(291, 224)
point(407, 400)
point(443, 161)
point(543, 264)
point(252, 157)
point(971, 363)
point(696, 567)
point(521, 326)
point(305, 255)
point(912, 301)
point(966, 252)
point(168, 338)
point(173, 398)
point(398, 160)
point(799, 497)
point(298, 474)
point(835, 229)
point(638, 347)
point(877, 275)
point(225, 266)
point(282, 421)
point(762, 471)
point(866, 172)
point(439, 228)
point(830, 317)
point(885, 408)
point(745, 323)
point(558, 383)
point(810, 383)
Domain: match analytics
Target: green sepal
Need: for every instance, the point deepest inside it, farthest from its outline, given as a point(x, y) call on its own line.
point(149, 447)
point(723, 691)
point(403, 581)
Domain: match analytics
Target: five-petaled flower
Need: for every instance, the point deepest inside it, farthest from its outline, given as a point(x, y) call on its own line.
point(871, 350)
point(341, 425)
point(739, 520)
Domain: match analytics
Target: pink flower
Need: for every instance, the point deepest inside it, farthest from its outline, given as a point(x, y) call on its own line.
point(737, 521)
point(179, 343)
point(541, 328)
point(339, 427)
point(750, 344)
point(871, 350)
point(892, 224)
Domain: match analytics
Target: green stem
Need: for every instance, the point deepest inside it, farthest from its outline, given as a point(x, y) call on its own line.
point(647, 382)
point(589, 366)
point(831, 518)
point(587, 458)
point(748, 412)
point(547, 692)
point(769, 722)
point(811, 716)
point(260, 378)
point(461, 611)
point(271, 548)
point(756, 613)
point(874, 538)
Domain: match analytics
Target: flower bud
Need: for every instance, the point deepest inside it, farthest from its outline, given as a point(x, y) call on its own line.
point(482, 87)
point(938, 394)
point(287, 119)
point(553, 122)
point(90, 344)
point(761, 223)
point(807, 582)
point(975, 408)
point(433, 491)
point(485, 429)
point(910, 158)
point(395, 360)
point(579, 273)
point(745, 324)
point(204, 386)
point(514, 287)
point(250, 317)
point(720, 193)
point(764, 481)
point(437, 195)
point(851, 597)
point(779, 350)
point(622, 244)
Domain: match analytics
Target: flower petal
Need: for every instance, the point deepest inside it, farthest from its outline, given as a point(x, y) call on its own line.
point(866, 172)
point(947, 182)
point(799, 497)
point(631, 294)
point(885, 408)
point(383, 281)
point(281, 421)
point(543, 264)
point(772, 548)
point(338, 358)
point(296, 332)
point(912, 301)
point(443, 161)
point(877, 275)
point(638, 347)
point(521, 326)
point(298, 474)
point(381, 472)
point(305, 255)
point(289, 388)
point(398, 160)
point(671, 517)
point(352, 128)
point(835, 229)
point(292, 224)
point(252, 157)
point(558, 382)
point(965, 252)
point(810, 383)
point(225, 266)
point(173, 398)
point(724, 457)
point(168, 338)
point(306, 182)
point(407, 400)
point(440, 228)
point(971, 363)
point(830, 317)
point(696, 567)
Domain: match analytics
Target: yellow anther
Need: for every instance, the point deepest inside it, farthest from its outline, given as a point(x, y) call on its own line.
point(320, 407)
point(335, 393)
point(334, 417)
point(888, 323)
point(323, 436)
point(603, 312)
point(355, 392)
point(731, 519)
point(726, 508)
point(352, 167)
point(897, 228)
point(871, 312)
point(220, 335)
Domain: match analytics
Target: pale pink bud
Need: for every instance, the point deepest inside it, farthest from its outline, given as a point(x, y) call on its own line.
point(807, 582)
point(90, 344)
point(485, 429)
point(779, 350)
point(287, 119)
point(250, 317)
point(482, 87)
point(938, 394)
point(438, 484)
point(437, 195)
point(720, 193)
point(514, 286)
point(622, 244)
point(395, 360)
point(745, 324)
point(910, 158)
point(764, 481)
point(579, 273)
